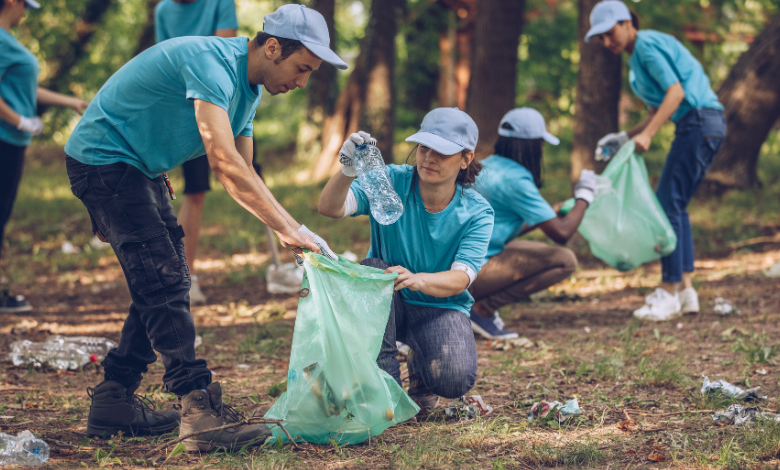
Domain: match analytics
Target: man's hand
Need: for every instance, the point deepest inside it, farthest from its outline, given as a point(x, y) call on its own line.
point(33, 125)
point(642, 141)
point(321, 243)
point(406, 279)
point(347, 152)
point(295, 239)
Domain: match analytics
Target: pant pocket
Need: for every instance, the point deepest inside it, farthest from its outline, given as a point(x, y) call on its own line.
point(709, 148)
point(150, 259)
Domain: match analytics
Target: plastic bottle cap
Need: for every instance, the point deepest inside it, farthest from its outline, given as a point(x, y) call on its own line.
point(93, 358)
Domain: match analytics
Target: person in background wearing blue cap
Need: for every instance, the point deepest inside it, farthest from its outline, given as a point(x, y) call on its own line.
point(510, 182)
point(173, 19)
point(19, 98)
point(673, 85)
point(174, 102)
point(437, 247)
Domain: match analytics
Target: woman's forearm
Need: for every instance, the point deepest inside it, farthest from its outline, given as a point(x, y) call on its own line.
point(674, 96)
point(334, 195)
point(641, 125)
point(52, 98)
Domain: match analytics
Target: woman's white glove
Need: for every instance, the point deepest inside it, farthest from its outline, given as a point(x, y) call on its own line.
point(33, 125)
point(320, 243)
point(610, 141)
point(347, 152)
point(585, 188)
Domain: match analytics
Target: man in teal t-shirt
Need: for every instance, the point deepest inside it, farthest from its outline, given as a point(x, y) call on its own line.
point(174, 102)
point(178, 18)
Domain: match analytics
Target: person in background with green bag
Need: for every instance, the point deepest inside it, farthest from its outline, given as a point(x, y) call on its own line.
point(672, 83)
point(510, 182)
point(437, 247)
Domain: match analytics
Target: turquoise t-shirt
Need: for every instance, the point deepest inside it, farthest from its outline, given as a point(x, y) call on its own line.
point(18, 86)
point(423, 242)
point(200, 18)
point(145, 116)
point(658, 62)
point(509, 188)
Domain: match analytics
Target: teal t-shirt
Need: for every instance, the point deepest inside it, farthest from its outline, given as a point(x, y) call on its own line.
point(18, 86)
point(145, 116)
point(658, 62)
point(423, 242)
point(509, 188)
point(200, 18)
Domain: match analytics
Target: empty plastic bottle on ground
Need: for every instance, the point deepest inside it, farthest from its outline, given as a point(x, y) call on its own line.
point(61, 352)
point(23, 449)
point(386, 206)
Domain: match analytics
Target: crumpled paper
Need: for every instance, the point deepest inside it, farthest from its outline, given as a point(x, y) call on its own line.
point(730, 390)
point(563, 411)
point(738, 415)
point(468, 407)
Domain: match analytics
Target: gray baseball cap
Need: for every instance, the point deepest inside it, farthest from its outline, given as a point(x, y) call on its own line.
point(525, 123)
point(305, 25)
point(605, 15)
point(448, 131)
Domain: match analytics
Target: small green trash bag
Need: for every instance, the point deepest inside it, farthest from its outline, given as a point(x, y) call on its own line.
point(625, 225)
point(335, 390)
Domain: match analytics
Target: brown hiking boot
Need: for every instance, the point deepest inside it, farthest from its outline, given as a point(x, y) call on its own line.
point(417, 389)
point(115, 409)
point(201, 410)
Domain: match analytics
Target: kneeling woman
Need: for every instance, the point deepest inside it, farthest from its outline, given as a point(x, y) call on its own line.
point(510, 182)
point(437, 247)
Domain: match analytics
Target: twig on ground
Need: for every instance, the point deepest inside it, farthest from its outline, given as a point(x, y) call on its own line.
point(755, 241)
point(676, 413)
point(625, 412)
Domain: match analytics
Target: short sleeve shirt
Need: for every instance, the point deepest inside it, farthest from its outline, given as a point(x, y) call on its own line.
point(509, 188)
point(144, 115)
point(421, 241)
point(200, 18)
point(658, 62)
point(18, 86)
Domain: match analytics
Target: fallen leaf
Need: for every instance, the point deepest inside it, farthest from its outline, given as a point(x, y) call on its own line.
point(656, 457)
point(630, 451)
point(626, 425)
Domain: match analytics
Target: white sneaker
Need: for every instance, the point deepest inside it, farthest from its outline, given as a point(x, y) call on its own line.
point(196, 295)
point(773, 271)
point(689, 300)
point(284, 279)
point(660, 306)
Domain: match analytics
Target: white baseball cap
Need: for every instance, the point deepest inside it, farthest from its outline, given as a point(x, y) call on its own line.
point(305, 25)
point(605, 15)
point(525, 123)
point(448, 131)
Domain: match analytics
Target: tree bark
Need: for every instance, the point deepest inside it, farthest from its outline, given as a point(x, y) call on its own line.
point(493, 80)
point(751, 100)
point(146, 39)
point(597, 96)
point(323, 91)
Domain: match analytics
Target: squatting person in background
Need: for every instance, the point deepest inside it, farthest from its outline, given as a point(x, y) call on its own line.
point(19, 99)
point(437, 247)
point(673, 85)
point(174, 102)
point(510, 182)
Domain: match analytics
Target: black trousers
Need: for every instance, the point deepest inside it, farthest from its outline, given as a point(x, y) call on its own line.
point(11, 165)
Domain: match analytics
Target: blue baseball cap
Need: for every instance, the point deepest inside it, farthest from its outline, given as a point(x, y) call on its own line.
point(525, 123)
point(31, 4)
point(605, 15)
point(447, 131)
point(305, 25)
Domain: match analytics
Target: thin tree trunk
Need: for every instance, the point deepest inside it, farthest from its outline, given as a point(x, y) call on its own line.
point(751, 101)
point(493, 80)
point(146, 39)
point(597, 97)
point(447, 83)
point(322, 91)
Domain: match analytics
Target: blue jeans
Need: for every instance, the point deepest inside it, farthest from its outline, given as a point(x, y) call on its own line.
point(135, 214)
point(698, 138)
point(445, 354)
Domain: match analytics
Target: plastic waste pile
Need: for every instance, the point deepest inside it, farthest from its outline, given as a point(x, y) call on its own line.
point(374, 178)
point(61, 352)
point(738, 415)
point(468, 407)
point(563, 411)
point(23, 449)
point(732, 391)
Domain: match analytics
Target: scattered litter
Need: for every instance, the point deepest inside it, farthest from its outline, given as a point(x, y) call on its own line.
point(773, 271)
point(244, 366)
point(679, 326)
point(468, 407)
point(198, 341)
point(587, 329)
point(738, 415)
point(69, 249)
point(350, 256)
point(761, 371)
point(563, 411)
point(61, 352)
point(23, 449)
point(403, 349)
point(97, 243)
point(730, 390)
point(6, 417)
point(284, 279)
point(509, 344)
point(723, 306)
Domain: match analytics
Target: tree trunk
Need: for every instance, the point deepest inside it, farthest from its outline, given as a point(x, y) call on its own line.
point(493, 80)
point(751, 100)
point(368, 100)
point(597, 97)
point(455, 53)
point(323, 91)
point(146, 39)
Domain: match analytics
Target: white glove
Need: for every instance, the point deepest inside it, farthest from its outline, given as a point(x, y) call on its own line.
point(347, 151)
point(585, 188)
point(614, 140)
point(33, 125)
point(324, 248)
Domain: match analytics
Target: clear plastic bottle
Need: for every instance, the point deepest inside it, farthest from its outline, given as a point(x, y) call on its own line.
point(610, 149)
point(386, 206)
point(23, 449)
point(61, 352)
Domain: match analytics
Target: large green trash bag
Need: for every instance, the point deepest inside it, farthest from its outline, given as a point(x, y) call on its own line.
point(335, 390)
point(625, 225)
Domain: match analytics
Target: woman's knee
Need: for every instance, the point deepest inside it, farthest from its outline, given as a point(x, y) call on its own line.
point(375, 263)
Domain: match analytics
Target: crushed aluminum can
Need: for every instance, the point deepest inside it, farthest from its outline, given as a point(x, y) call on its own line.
point(563, 411)
point(738, 415)
point(468, 407)
point(732, 391)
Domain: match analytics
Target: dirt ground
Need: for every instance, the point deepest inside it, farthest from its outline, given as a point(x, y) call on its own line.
point(637, 383)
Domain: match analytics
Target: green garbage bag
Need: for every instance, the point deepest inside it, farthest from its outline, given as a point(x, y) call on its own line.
point(625, 225)
point(335, 390)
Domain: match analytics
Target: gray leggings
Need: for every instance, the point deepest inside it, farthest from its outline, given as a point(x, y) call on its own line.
point(445, 354)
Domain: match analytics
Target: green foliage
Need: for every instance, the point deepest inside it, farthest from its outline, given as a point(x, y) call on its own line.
point(276, 389)
point(756, 349)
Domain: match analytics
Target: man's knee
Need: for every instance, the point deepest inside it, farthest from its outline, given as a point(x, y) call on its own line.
point(451, 380)
point(375, 263)
point(567, 260)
